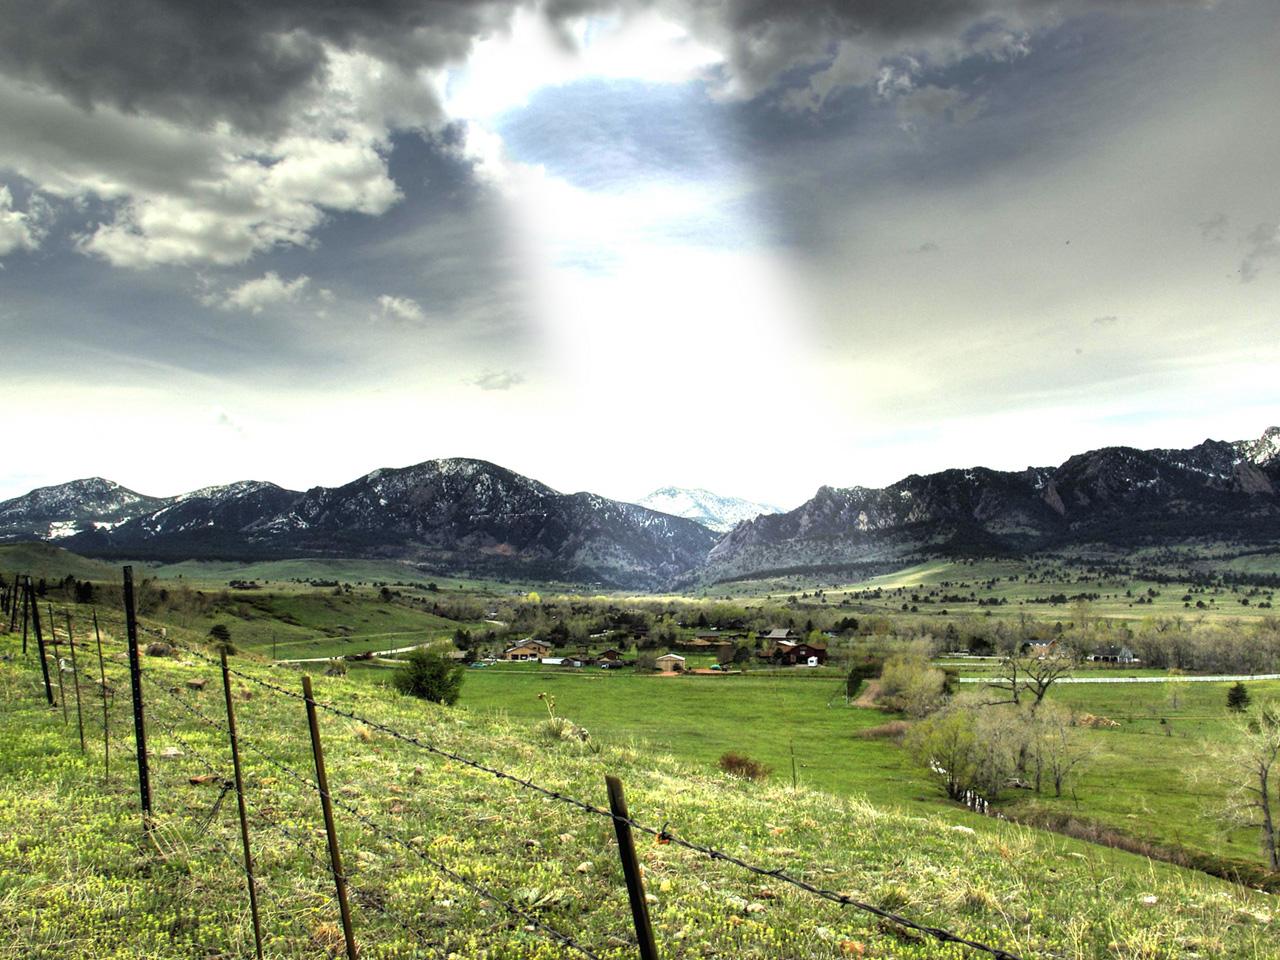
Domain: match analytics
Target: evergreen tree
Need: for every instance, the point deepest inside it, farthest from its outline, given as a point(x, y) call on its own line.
point(1237, 698)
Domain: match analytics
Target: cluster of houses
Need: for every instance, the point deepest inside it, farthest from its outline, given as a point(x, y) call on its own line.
point(782, 647)
point(1107, 653)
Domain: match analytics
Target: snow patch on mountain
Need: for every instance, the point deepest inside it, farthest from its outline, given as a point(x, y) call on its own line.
point(712, 510)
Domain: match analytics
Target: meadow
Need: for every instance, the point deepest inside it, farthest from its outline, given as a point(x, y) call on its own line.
point(80, 879)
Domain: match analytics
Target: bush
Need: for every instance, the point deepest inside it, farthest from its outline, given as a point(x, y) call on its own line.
point(429, 676)
point(740, 765)
point(893, 730)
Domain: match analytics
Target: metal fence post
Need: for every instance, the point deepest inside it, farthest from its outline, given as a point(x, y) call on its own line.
point(75, 681)
point(244, 817)
point(335, 856)
point(106, 720)
point(30, 605)
point(631, 869)
point(135, 684)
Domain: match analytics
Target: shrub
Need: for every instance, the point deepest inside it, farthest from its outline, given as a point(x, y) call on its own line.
point(429, 676)
point(893, 730)
point(740, 765)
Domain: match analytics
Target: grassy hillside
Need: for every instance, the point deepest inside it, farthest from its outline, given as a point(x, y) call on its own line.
point(52, 563)
point(79, 880)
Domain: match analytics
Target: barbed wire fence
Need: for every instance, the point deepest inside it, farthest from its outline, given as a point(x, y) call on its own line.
point(21, 596)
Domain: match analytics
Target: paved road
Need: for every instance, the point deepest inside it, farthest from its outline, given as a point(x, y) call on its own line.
point(1168, 679)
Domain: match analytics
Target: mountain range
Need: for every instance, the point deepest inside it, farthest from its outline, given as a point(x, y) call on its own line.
point(473, 517)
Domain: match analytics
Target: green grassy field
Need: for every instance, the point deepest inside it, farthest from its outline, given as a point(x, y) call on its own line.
point(1118, 596)
point(80, 880)
point(316, 623)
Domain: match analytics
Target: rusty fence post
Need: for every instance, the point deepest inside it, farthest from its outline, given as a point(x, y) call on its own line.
point(135, 686)
point(244, 816)
point(75, 681)
point(335, 855)
point(33, 608)
point(631, 869)
point(106, 720)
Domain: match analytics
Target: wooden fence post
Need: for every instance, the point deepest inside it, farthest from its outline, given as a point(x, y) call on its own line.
point(30, 605)
point(75, 681)
point(631, 869)
point(13, 608)
point(57, 663)
point(335, 856)
point(135, 685)
point(106, 719)
point(25, 618)
point(244, 817)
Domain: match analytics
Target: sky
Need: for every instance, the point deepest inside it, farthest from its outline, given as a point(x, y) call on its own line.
point(748, 246)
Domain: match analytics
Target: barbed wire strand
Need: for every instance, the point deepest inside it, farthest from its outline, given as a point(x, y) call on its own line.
point(662, 834)
point(473, 885)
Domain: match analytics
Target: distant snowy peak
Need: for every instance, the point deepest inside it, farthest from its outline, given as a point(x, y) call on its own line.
point(1263, 450)
point(709, 509)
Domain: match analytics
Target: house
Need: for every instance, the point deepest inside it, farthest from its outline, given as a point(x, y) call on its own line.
point(670, 663)
point(1113, 653)
point(788, 653)
point(1039, 648)
point(610, 654)
point(779, 634)
point(529, 649)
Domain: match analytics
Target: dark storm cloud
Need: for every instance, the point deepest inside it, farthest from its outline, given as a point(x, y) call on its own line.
point(764, 39)
point(197, 61)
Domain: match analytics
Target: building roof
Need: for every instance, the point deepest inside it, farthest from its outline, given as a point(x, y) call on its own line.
point(778, 633)
point(671, 656)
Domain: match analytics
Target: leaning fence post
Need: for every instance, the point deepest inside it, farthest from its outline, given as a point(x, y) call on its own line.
point(631, 869)
point(75, 681)
point(57, 662)
point(244, 817)
point(335, 856)
point(30, 605)
point(106, 720)
point(25, 617)
point(135, 685)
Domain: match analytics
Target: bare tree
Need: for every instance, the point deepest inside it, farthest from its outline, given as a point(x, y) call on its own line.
point(1030, 676)
point(1251, 762)
point(1059, 749)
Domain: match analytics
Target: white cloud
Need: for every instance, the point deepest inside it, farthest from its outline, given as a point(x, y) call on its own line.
point(497, 380)
point(400, 308)
point(255, 295)
point(216, 195)
point(16, 229)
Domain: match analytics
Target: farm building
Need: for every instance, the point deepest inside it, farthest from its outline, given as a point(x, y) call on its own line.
point(1113, 653)
point(670, 663)
point(787, 653)
point(781, 634)
point(527, 650)
point(610, 654)
point(1039, 650)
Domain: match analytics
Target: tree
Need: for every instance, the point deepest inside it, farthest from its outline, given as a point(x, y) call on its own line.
point(909, 683)
point(968, 750)
point(1031, 675)
point(429, 676)
point(1250, 762)
point(1238, 698)
point(1054, 746)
